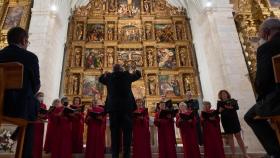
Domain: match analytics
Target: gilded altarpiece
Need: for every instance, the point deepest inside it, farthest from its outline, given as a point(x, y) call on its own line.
point(13, 13)
point(248, 15)
point(150, 35)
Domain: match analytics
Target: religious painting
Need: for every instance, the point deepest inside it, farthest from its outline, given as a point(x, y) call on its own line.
point(274, 3)
point(130, 33)
point(164, 33)
point(94, 58)
point(130, 58)
point(95, 32)
point(166, 58)
point(91, 86)
point(128, 8)
point(13, 17)
point(169, 85)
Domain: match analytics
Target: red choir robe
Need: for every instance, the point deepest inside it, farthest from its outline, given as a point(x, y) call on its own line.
point(141, 136)
point(213, 144)
point(37, 149)
point(49, 134)
point(166, 137)
point(95, 147)
point(189, 136)
point(61, 146)
point(77, 132)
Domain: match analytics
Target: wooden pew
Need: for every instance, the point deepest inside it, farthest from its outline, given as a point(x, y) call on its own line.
point(11, 77)
point(275, 120)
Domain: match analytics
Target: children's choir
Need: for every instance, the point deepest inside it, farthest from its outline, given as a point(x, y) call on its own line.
point(66, 127)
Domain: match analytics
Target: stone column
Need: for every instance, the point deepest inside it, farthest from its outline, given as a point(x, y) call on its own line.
point(48, 30)
point(220, 60)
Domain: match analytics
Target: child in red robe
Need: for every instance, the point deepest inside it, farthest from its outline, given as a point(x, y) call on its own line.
point(186, 122)
point(61, 146)
point(213, 144)
point(96, 121)
point(166, 133)
point(77, 126)
point(39, 129)
point(50, 127)
point(141, 132)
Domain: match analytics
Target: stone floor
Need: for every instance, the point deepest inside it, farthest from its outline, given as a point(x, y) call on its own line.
point(155, 154)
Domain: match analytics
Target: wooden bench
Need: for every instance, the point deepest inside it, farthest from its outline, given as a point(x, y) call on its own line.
point(11, 77)
point(275, 120)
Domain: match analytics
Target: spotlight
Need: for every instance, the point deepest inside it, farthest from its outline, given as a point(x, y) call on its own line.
point(208, 4)
point(53, 8)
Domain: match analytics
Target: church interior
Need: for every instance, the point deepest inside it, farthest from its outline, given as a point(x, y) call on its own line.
point(201, 46)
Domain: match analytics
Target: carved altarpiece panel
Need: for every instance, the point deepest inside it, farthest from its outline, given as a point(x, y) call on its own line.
point(150, 35)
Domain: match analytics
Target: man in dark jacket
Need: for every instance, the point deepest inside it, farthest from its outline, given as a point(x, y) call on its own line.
point(22, 103)
point(120, 104)
point(265, 84)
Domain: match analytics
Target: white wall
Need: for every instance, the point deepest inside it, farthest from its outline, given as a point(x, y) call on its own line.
point(48, 31)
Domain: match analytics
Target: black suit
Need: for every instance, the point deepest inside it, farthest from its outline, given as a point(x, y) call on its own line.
point(120, 104)
point(22, 103)
point(264, 84)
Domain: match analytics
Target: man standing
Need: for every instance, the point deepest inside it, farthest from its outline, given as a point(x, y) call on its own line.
point(265, 84)
point(120, 104)
point(22, 103)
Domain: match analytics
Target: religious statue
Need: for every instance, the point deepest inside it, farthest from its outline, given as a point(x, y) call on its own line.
point(98, 4)
point(187, 83)
point(183, 57)
point(80, 31)
point(110, 32)
point(75, 85)
point(150, 57)
point(149, 34)
point(78, 54)
point(110, 57)
point(179, 31)
point(147, 6)
point(152, 85)
point(160, 5)
point(70, 86)
point(111, 5)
